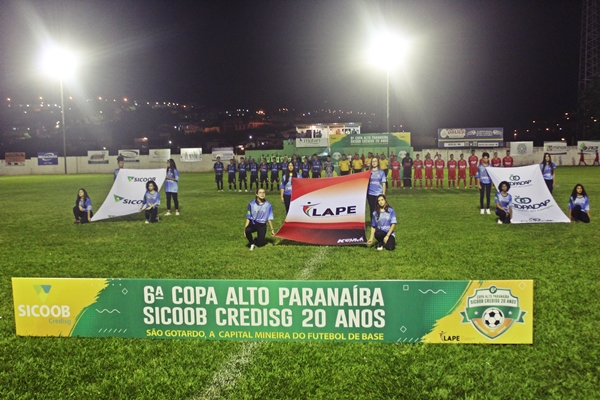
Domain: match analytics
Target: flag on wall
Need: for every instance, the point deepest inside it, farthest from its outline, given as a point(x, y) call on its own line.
point(327, 211)
point(125, 196)
point(532, 201)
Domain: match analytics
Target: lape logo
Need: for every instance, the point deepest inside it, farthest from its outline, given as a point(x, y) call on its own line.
point(127, 201)
point(42, 291)
point(311, 210)
point(445, 338)
point(138, 179)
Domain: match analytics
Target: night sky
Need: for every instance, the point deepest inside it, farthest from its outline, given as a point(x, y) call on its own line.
point(471, 63)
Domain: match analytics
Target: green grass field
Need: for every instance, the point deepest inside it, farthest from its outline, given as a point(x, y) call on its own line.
point(441, 236)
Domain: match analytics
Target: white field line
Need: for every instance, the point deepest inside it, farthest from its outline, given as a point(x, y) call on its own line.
point(231, 371)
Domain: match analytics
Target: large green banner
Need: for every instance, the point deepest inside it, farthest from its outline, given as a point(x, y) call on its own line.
point(344, 311)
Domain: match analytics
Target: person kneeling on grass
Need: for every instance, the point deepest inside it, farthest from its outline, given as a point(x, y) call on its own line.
point(83, 207)
point(383, 223)
point(150, 202)
point(504, 203)
point(579, 205)
point(259, 213)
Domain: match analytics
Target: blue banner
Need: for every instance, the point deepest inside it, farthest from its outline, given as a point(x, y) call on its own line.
point(48, 158)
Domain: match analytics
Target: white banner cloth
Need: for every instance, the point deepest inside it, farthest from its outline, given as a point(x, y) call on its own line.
point(532, 201)
point(125, 196)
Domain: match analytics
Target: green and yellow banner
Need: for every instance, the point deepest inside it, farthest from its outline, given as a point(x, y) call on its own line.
point(493, 312)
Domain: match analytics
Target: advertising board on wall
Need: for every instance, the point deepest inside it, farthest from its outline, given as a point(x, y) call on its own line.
point(555, 147)
point(521, 148)
point(226, 153)
point(588, 146)
point(97, 156)
point(190, 155)
point(159, 155)
point(47, 158)
point(470, 137)
point(14, 158)
point(130, 156)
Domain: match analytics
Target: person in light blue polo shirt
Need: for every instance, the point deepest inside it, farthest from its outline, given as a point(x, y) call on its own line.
point(504, 203)
point(172, 186)
point(83, 207)
point(286, 185)
point(579, 205)
point(484, 182)
point(150, 202)
point(383, 224)
point(377, 185)
point(547, 167)
point(260, 212)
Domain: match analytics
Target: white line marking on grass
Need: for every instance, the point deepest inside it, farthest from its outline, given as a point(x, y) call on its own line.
point(231, 371)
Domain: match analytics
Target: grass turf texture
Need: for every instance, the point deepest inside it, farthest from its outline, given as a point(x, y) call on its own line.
point(441, 235)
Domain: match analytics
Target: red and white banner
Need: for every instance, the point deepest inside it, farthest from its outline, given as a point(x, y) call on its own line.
point(327, 211)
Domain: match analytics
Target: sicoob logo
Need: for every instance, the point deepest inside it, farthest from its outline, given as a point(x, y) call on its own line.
point(137, 179)
point(127, 201)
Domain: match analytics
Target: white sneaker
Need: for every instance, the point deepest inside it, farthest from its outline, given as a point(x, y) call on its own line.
point(482, 211)
point(176, 212)
point(500, 222)
point(147, 222)
point(168, 213)
point(251, 247)
point(246, 190)
point(487, 211)
point(379, 248)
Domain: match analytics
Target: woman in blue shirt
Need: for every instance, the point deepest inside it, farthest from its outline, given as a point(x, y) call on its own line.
point(150, 202)
point(83, 207)
point(484, 182)
point(383, 223)
point(504, 203)
point(547, 167)
point(259, 213)
point(579, 205)
point(376, 185)
point(172, 186)
point(286, 185)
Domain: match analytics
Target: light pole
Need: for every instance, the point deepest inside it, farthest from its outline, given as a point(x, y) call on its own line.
point(387, 52)
point(61, 64)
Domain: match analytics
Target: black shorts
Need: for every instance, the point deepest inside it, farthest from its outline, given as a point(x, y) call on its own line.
point(231, 178)
point(242, 176)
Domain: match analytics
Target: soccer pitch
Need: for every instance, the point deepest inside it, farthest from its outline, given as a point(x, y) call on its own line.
point(440, 236)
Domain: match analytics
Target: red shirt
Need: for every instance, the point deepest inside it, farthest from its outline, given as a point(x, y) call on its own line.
point(439, 164)
point(452, 164)
point(507, 161)
point(395, 166)
point(428, 164)
point(418, 164)
point(496, 162)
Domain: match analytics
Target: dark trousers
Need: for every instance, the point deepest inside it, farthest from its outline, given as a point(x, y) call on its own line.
point(372, 200)
point(175, 200)
point(391, 243)
point(316, 174)
point(343, 173)
point(486, 188)
point(577, 213)
point(503, 215)
point(287, 198)
point(549, 184)
point(82, 215)
point(219, 180)
point(407, 175)
point(151, 214)
point(261, 229)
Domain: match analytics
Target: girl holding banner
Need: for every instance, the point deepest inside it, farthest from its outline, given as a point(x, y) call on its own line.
point(377, 185)
point(503, 203)
point(383, 223)
point(172, 186)
point(579, 205)
point(547, 167)
point(286, 185)
point(259, 213)
point(150, 202)
point(83, 207)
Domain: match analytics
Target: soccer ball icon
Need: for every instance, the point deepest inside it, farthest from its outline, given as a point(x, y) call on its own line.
point(493, 318)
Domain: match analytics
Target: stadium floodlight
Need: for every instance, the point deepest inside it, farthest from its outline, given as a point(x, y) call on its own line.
point(388, 51)
point(60, 63)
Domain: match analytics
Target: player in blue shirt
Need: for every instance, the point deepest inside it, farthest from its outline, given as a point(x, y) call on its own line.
point(274, 166)
point(547, 167)
point(219, 167)
point(484, 182)
point(231, 170)
point(120, 163)
point(150, 202)
point(264, 173)
point(316, 166)
point(579, 205)
point(286, 185)
point(242, 174)
point(305, 168)
point(383, 223)
point(253, 167)
point(376, 186)
point(259, 213)
point(297, 162)
point(83, 207)
point(172, 186)
point(504, 203)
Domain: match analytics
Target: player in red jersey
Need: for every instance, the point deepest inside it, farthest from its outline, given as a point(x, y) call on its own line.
point(451, 171)
point(473, 165)
point(462, 170)
point(496, 161)
point(439, 172)
point(597, 159)
point(507, 161)
point(395, 172)
point(418, 167)
point(428, 164)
